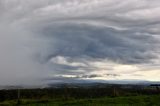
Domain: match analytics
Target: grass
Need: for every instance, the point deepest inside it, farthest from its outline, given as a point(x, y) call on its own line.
point(142, 100)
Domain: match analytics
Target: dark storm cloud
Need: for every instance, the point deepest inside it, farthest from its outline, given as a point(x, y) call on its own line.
point(42, 38)
point(78, 40)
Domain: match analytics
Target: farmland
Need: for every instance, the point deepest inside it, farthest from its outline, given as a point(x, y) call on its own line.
point(99, 95)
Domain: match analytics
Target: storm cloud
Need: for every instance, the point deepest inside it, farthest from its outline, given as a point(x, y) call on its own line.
point(43, 39)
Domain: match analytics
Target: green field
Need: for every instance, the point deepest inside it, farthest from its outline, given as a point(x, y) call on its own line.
point(109, 95)
point(143, 100)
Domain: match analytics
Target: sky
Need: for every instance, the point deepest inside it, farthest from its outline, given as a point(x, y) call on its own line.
point(50, 41)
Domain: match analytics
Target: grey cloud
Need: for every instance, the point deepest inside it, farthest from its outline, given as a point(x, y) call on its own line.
point(32, 33)
point(96, 75)
point(81, 76)
point(78, 40)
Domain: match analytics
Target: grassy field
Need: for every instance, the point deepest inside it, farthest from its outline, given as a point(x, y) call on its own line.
point(143, 100)
point(113, 95)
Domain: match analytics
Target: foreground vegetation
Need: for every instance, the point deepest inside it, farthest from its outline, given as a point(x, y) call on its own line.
point(92, 96)
point(143, 100)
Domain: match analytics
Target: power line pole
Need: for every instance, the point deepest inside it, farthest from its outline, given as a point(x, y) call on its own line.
point(18, 96)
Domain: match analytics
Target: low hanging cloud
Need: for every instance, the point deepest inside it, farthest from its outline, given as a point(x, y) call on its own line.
point(41, 39)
